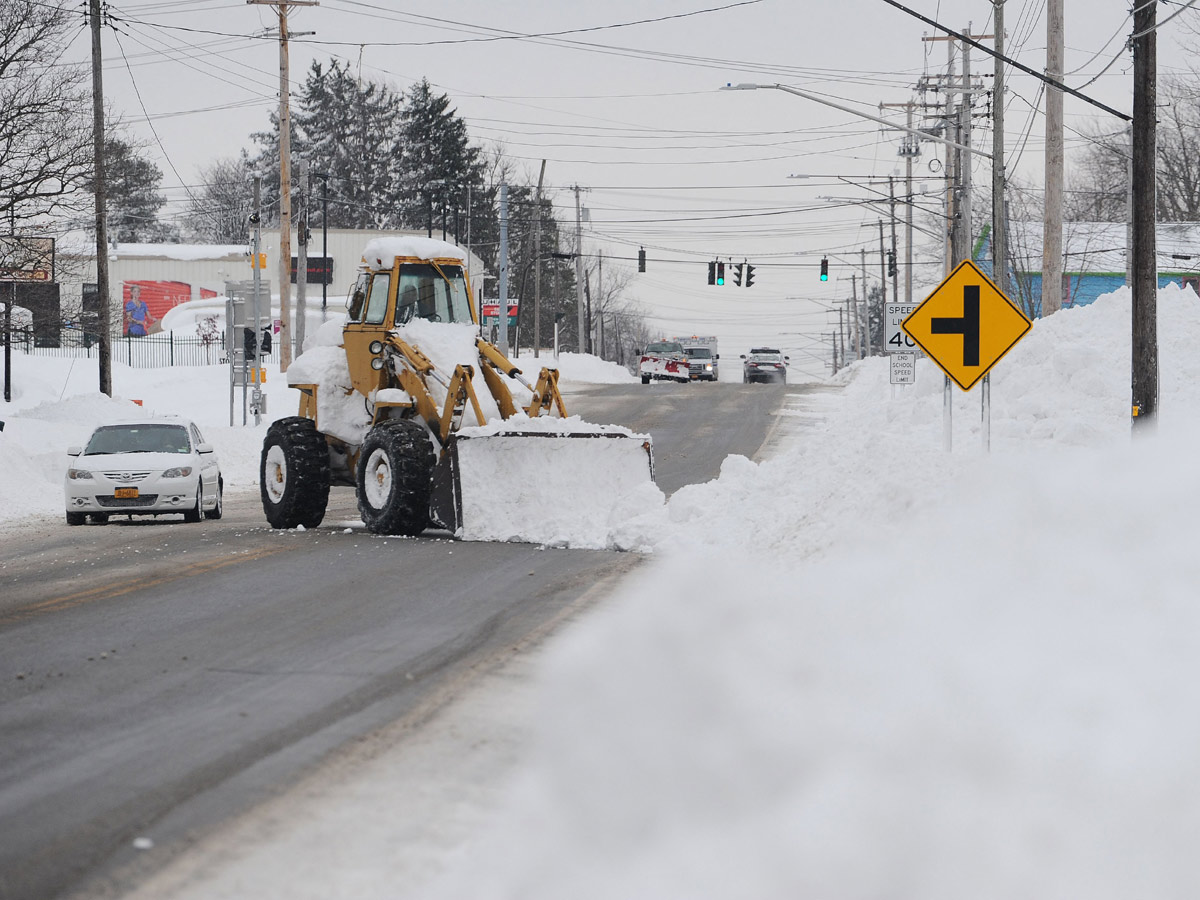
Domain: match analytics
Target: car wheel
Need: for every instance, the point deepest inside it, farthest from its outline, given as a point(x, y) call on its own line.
point(293, 474)
point(195, 515)
point(99, 518)
point(218, 509)
point(395, 478)
point(76, 518)
point(645, 379)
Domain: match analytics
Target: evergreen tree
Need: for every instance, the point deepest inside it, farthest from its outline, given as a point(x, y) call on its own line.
point(132, 184)
point(437, 162)
point(349, 130)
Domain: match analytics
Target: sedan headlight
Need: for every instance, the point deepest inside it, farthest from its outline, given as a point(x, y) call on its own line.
point(78, 474)
point(178, 472)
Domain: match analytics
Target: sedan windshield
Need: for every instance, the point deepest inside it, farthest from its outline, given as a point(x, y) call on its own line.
point(138, 439)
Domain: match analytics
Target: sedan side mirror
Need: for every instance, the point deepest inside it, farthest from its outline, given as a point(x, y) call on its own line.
point(787, 359)
point(743, 356)
point(204, 448)
point(637, 352)
point(74, 450)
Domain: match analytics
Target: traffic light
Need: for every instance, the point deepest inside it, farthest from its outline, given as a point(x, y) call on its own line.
point(749, 275)
point(891, 268)
point(642, 260)
point(824, 268)
point(720, 273)
point(249, 343)
point(712, 273)
point(737, 274)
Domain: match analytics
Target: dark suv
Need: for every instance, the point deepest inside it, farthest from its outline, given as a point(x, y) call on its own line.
point(764, 365)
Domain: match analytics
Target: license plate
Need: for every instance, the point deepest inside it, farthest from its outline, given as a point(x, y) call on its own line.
point(126, 493)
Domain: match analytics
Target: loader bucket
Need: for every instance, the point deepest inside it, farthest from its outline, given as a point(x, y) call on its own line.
point(540, 486)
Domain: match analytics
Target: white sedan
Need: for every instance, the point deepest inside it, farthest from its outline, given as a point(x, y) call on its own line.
point(144, 467)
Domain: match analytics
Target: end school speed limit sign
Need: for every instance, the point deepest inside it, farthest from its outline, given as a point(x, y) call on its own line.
point(897, 341)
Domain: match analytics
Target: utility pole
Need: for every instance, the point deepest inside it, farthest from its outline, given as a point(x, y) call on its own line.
point(883, 287)
point(842, 336)
point(580, 345)
point(537, 264)
point(895, 274)
point(857, 339)
point(968, 246)
point(1053, 215)
point(105, 321)
point(862, 258)
point(256, 240)
point(285, 180)
point(502, 312)
point(1144, 268)
point(913, 148)
point(302, 255)
point(999, 233)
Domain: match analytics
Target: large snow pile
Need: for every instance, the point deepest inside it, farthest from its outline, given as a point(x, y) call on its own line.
point(574, 368)
point(381, 253)
point(869, 669)
point(581, 485)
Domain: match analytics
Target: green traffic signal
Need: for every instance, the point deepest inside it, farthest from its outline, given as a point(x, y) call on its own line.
point(824, 268)
point(720, 273)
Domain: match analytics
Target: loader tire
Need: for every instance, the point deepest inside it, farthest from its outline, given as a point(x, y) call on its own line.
point(293, 474)
point(395, 477)
point(645, 379)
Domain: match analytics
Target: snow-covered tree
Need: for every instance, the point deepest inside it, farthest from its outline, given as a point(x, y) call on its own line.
point(349, 129)
point(134, 201)
point(437, 161)
point(220, 209)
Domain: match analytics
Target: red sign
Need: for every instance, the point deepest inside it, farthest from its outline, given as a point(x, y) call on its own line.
point(492, 308)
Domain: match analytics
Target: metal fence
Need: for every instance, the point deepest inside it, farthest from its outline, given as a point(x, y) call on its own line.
point(154, 351)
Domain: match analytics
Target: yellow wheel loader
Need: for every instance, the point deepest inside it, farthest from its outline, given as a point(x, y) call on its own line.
point(433, 425)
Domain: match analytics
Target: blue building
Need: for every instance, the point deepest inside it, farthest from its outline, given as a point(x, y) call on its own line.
point(1093, 260)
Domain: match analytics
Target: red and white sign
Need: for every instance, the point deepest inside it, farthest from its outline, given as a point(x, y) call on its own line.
point(492, 308)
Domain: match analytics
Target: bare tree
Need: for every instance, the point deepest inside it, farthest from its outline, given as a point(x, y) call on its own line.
point(1100, 179)
point(222, 208)
point(45, 123)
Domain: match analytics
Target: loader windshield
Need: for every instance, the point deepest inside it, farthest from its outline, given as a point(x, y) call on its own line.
point(436, 293)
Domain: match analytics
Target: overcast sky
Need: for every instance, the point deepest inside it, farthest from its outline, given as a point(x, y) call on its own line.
point(623, 100)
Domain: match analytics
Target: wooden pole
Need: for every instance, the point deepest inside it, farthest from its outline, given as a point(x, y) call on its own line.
point(1144, 267)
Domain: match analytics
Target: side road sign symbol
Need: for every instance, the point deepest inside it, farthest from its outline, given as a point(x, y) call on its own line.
point(966, 325)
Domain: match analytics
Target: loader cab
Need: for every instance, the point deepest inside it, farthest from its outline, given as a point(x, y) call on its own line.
point(383, 299)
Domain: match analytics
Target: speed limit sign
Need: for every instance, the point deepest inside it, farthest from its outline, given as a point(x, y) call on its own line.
point(897, 340)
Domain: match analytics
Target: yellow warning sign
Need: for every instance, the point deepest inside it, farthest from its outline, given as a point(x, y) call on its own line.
point(966, 325)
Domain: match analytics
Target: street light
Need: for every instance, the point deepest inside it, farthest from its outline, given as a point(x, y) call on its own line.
point(854, 112)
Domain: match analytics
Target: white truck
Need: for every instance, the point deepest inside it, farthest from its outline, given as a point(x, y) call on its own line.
point(702, 356)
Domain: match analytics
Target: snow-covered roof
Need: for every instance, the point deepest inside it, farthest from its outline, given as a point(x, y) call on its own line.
point(1100, 246)
point(181, 251)
point(382, 252)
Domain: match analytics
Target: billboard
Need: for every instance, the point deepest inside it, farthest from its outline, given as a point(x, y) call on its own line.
point(25, 258)
point(144, 303)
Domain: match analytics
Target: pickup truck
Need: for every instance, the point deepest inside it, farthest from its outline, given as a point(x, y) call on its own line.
point(664, 361)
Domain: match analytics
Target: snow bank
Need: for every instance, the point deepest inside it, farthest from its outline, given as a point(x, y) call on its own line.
point(575, 368)
point(868, 669)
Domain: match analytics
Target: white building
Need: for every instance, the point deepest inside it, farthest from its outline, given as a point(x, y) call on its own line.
point(165, 275)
